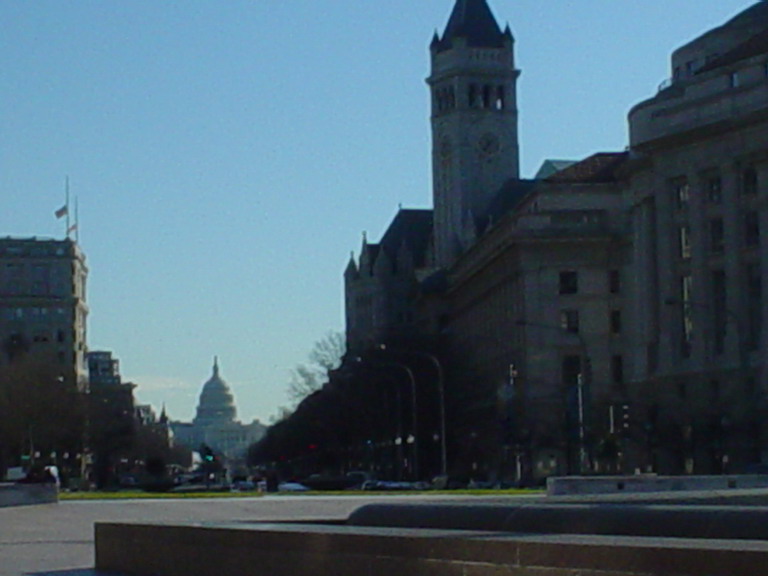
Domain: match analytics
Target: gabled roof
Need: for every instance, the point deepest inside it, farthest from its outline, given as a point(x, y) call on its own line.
point(508, 196)
point(598, 168)
point(412, 228)
point(550, 166)
point(473, 21)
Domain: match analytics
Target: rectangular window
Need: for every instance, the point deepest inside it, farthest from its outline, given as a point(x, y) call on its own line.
point(685, 242)
point(686, 293)
point(617, 370)
point(754, 306)
point(41, 282)
point(733, 80)
point(751, 229)
point(682, 192)
point(714, 386)
point(614, 282)
point(749, 182)
point(571, 369)
point(716, 235)
point(719, 309)
point(569, 282)
point(615, 322)
point(715, 190)
point(569, 320)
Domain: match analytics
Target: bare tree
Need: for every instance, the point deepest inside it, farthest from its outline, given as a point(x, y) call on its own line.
point(325, 356)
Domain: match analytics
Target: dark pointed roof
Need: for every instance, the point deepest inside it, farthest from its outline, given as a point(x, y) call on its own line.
point(412, 227)
point(473, 21)
point(598, 168)
point(508, 196)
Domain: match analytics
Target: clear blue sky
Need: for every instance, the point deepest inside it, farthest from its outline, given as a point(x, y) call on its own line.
point(228, 155)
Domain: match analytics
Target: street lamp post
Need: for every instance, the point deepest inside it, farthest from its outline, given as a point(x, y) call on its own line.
point(441, 399)
point(414, 409)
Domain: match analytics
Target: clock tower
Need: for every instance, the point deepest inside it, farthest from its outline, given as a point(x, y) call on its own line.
point(473, 85)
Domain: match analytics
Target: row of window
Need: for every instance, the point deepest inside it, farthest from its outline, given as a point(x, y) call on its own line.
point(479, 97)
point(712, 186)
point(750, 235)
point(569, 282)
point(693, 66)
point(574, 367)
point(720, 316)
point(30, 313)
point(569, 321)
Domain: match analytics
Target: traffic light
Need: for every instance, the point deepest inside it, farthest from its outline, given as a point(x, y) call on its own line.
point(625, 419)
point(207, 453)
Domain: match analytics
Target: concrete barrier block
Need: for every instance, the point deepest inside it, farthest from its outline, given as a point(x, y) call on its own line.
point(304, 550)
point(28, 494)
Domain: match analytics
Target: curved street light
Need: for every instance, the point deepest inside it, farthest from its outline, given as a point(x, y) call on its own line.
point(441, 398)
point(414, 406)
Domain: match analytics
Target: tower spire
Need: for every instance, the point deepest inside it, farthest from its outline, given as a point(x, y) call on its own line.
point(475, 147)
point(473, 21)
point(215, 365)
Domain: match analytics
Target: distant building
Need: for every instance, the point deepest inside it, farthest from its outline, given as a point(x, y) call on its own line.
point(216, 424)
point(43, 308)
point(112, 419)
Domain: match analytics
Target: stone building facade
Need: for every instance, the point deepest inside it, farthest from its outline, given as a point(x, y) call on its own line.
point(607, 316)
point(43, 308)
point(696, 192)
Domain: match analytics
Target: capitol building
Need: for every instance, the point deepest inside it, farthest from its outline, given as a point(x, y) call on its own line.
point(215, 423)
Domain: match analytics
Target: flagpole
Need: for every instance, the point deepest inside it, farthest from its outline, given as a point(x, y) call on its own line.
point(77, 220)
point(66, 203)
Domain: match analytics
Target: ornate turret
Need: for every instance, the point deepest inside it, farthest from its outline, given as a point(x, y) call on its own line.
point(473, 21)
point(474, 121)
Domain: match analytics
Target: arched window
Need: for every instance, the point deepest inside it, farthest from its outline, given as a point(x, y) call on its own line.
point(474, 96)
point(486, 96)
point(500, 103)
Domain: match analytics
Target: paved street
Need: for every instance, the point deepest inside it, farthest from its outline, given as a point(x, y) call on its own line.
point(57, 539)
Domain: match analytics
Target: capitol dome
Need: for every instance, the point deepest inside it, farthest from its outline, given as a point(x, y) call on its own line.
point(217, 405)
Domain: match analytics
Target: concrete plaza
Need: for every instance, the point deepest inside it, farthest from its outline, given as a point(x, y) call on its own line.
point(58, 539)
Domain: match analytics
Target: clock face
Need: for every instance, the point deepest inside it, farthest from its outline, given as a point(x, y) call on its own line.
point(488, 145)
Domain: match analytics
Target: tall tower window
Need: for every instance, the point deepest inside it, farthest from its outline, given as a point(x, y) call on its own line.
point(500, 102)
point(474, 96)
point(486, 96)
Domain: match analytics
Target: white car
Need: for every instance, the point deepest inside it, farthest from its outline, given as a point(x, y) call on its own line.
point(291, 487)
